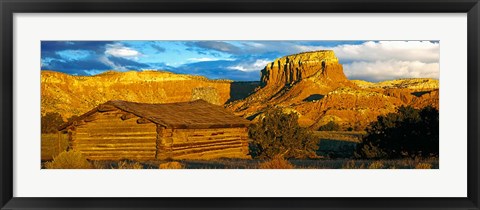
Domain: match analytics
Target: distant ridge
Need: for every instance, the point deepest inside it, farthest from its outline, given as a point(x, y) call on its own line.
point(73, 95)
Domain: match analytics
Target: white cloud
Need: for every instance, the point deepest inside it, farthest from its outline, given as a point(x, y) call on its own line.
point(118, 50)
point(424, 51)
point(108, 62)
point(387, 60)
point(209, 59)
point(255, 45)
point(93, 72)
point(392, 69)
point(249, 66)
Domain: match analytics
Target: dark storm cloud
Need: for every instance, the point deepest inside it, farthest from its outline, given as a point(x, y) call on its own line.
point(75, 66)
point(218, 70)
point(158, 48)
point(127, 63)
point(219, 46)
point(54, 46)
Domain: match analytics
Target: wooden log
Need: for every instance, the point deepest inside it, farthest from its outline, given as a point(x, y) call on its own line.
point(127, 116)
point(99, 152)
point(113, 145)
point(116, 158)
point(90, 118)
point(205, 148)
point(99, 138)
point(119, 156)
point(106, 108)
point(108, 130)
point(200, 143)
point(206, 155)
point(119, 150)
point(89, 154)
point(143, 121)
point(79, 122)
point(195, 146)
point(214, 138)
point(114, 121)
point(210, 130)
point(122, 146)
point(130, 134)
point(113, 141)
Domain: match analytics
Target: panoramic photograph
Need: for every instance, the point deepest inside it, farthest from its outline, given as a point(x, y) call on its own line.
point(240, 104)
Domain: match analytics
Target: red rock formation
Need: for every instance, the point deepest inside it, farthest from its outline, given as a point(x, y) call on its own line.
point(293, 79)
point(313, 85)
point(322, 65)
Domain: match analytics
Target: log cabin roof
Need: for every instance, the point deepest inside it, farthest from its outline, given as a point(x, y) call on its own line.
point(193, 114)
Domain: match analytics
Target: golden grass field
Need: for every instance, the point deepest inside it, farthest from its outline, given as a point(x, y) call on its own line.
point(333, 146)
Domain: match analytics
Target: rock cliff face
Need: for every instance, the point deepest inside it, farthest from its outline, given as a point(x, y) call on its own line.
point(321, 66)
point(313, 85)
point(294, 79)
point(73, 95)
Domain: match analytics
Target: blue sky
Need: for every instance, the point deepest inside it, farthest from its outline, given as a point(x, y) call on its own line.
point(239, 60)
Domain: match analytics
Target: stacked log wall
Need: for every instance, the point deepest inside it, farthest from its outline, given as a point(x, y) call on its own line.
point(109, 137)
point(203, 143)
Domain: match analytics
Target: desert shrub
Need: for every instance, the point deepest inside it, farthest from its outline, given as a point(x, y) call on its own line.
point(330, 126)
point(125, 164)
point(279, 133)
point(171, 165)
point(376, 165)
point(408, 133)
point(423, 166)
point(50, 122)
point(278, 162)
point(349, 165)
point(69, 160)
point(352, 164)
point(96, 164)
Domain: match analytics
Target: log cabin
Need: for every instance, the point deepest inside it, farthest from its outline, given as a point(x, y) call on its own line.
point(118, 130)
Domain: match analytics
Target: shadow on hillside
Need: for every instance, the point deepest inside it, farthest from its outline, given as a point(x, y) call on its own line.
point(241, 90)
point(313, 97)
point(420, 93)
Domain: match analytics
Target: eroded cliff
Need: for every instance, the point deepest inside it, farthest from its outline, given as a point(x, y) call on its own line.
point(73, 95)
point(313, 85)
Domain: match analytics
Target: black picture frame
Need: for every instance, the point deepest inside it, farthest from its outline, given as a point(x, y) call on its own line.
point(10, 7)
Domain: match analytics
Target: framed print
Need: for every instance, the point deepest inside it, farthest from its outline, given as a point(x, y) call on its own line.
point(239, 105)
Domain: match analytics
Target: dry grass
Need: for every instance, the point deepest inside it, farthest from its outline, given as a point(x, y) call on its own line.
point(277, 162)
point(100, 165)
point(364, 164)
point(352, 164)
point(423, 166)
point(376, 165)
point(128, 165)
point(69, 160)
point(171, 165)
